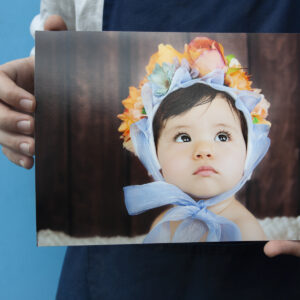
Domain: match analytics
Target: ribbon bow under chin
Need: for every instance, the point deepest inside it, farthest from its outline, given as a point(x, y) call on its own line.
point(197, 219)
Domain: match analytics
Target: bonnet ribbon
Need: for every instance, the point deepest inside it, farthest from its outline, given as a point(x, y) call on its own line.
point(198, 220)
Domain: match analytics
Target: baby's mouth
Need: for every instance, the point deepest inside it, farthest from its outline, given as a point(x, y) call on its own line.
point(205, 171)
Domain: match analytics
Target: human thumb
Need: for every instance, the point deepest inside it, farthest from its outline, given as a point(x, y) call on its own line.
point(55, 23)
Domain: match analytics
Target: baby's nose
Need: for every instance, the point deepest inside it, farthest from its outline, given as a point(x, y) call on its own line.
point(203, 150)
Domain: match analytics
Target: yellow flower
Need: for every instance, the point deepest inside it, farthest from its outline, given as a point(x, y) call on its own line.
point(165, 54)
point(133, 112)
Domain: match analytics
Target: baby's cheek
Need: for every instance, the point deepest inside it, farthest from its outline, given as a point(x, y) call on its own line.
point(238, 163)
point(173, 168)
point(173, 171)
point(233, 161)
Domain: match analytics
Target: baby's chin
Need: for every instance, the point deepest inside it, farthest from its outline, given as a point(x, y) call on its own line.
point(202, 196)
point(207, 193)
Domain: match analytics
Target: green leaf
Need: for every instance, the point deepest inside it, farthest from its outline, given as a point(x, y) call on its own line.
point(231, 70)
point(229, 58)
point(255, 120)
point(143, 111)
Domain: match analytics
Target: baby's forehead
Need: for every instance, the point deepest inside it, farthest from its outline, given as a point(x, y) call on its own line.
point(218, 111)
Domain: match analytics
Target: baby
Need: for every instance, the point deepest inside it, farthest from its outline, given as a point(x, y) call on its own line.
point(200, 130)
point(201, 142)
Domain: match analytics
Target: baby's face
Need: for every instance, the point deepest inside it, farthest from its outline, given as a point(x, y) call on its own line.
point(203, 151)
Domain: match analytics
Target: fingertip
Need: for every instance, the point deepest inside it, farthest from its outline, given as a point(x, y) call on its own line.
point(27, 147)
point(23, 161)
point(15, 96)
point(274, 248)
point(24, 125)
point(26, 163)
point(269, 249)
point(27, 105)
point(55, 23)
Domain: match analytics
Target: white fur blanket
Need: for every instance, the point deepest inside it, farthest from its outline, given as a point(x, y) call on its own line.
point(278, 228)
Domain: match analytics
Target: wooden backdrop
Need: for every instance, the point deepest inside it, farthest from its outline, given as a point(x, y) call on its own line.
point(81, 167)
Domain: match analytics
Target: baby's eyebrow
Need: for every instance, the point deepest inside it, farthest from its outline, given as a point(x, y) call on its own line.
point(175, 128)
point(225, 125)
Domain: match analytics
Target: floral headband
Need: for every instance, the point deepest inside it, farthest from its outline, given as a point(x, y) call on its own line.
point(202, 56)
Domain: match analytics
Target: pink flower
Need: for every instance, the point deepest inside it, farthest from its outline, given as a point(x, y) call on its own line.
point(205, 55)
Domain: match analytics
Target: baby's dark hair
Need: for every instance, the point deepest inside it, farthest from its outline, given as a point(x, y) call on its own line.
point(176, 104)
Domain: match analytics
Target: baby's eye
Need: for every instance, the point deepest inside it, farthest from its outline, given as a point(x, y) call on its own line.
point(182, 138)
point(222, 136)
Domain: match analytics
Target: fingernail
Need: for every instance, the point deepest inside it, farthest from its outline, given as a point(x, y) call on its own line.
point(26, 104)
point(23, 125)
point(22, 163)
point(24, 148)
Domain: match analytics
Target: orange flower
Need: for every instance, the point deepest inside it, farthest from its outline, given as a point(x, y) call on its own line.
point(262, 108)
point(134, 99)
point(259, 120)
point(235, 76)
point(165, 54)
point(128, 145)
point(260, 112)
point(133, 112)
point(143, 81)
point(205, 55)
point(238, 79)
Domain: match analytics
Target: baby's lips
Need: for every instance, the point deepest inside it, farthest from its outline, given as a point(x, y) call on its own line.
point(205, 169)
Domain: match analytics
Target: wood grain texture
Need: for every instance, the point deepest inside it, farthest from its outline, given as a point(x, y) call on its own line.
point(275, 67)
point(52, 182)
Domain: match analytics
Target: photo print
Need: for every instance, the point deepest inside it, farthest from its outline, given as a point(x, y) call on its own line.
point(166, 137)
